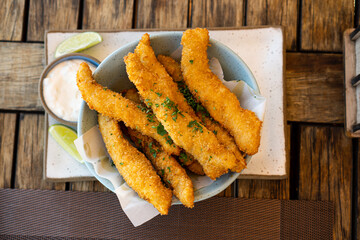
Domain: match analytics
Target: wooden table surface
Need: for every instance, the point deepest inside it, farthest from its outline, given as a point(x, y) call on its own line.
point(324, 162)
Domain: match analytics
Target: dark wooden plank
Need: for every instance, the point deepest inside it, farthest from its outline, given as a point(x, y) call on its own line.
point(221, 13)
point(20, 72)
point(11, 19)
point(51, 15)
point(315, 86)
point(7, 138)
point(276, 12)
point(269, 189)
point(162, 14)
point(88, 186)
point(30, 152)
point(326, 172)
point(107, 14)
point(323, 24)
point(228, 192)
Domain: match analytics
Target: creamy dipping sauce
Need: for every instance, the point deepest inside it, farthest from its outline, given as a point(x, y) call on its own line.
point(61, 94)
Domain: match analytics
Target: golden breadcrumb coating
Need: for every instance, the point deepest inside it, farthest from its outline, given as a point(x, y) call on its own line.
point(185, 158)
point(112, 104)
point(185, 131)
point(167, 167)
point(222, 104)
point(133, 166)
point(224, 137)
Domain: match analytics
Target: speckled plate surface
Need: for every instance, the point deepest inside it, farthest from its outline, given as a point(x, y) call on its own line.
point(112, 74)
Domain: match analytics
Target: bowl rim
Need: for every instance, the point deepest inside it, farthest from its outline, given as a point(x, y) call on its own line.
point(46, 71)
point(212, 41)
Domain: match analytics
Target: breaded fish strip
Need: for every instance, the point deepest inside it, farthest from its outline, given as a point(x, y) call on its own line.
point(165, 82)
point(186, 132)
point(185, 158)
point(112, 104)
point(133, 166)
point(167, 167)
point(174, 70)
point(221, 103)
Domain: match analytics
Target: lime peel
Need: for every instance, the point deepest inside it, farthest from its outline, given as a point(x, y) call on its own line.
point(78, 43)
point(65, 137)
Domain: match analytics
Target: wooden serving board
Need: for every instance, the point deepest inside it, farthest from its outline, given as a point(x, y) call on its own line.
point(350, 91)
point(262, 49)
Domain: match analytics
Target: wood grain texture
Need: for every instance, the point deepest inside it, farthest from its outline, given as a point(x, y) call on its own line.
point(88, 186)
point(315, 85)
point(30, 153)
point(275, 12)
point(108, 14)
point(226, 13)
point(7, 138)
point(228, 192)
point(11, 19)
point(20, 72)
point(51, 15)
point(263, 189)
point(326, 172)
point(162, 14)
point(323, 24)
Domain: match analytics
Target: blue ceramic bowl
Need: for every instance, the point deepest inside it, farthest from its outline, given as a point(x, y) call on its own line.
point(112, 73)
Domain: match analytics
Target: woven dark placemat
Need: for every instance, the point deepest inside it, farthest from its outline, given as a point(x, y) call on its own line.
point(40, 214)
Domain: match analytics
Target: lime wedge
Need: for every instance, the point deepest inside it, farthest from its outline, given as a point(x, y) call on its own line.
point(65, 137)
point(78, 43)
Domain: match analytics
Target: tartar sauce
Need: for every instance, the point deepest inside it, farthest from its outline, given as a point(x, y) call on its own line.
point(61, 94)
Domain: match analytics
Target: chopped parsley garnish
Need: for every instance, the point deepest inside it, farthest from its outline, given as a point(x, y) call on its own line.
point(152, 151)
point(150, 116)
point(196, 126)
point(169, 169)
point(159, 94)
point(191, 61)
point(162, 171)
point(172, 106)
point(169, 181)
point(121, 163)
point(105, 88)
point(169, 140)
point(215, 132)
point(191, 100)
point(210, 158)
point(184, 157)
point(160, 130)
point(148, 102)
point(168, 103)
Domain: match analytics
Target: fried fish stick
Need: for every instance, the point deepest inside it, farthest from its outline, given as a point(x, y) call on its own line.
point(133, 166)
point(186, 132)
point(165, 82)
point(174, 70)
point(167, 167)
point(222, 104)
point(112, 104)
point(185, 158)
